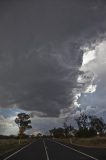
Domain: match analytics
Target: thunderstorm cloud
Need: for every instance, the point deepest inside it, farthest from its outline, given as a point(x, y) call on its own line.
point(50, 57)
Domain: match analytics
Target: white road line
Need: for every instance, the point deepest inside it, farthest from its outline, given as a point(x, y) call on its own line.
point(17, 151)
point(46, 150)
point(76, 151)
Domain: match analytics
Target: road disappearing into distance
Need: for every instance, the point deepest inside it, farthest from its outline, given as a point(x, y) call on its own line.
point(49, 149)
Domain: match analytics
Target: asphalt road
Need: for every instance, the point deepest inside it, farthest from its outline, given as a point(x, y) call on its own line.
point(46, 149)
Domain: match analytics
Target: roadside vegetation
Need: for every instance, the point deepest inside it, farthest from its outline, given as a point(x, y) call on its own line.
point(99, 142)
point(91, 131)
point(12, 143)
point(8, 143)
point(91, 142)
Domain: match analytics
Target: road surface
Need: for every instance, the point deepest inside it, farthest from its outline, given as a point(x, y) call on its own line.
point(47, 149)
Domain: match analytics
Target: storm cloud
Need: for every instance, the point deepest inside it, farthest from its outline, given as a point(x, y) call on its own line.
point(40, 51)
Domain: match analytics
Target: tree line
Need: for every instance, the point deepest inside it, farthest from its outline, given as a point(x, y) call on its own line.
point(88, 126)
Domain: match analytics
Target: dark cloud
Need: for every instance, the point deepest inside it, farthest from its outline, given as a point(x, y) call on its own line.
point(40, 51)
point(41, 80)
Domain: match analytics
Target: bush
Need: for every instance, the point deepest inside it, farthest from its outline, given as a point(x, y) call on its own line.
point(86, 132)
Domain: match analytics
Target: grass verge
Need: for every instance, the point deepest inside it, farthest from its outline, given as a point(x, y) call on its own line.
point(7, 145)
point(89, 142)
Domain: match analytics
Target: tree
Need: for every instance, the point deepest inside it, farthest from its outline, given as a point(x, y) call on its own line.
point(39, 135)
point(67, 129)
point(97, 124)
point(57, 132)
point(90, 125)
point(82, 121)
point(23, 121)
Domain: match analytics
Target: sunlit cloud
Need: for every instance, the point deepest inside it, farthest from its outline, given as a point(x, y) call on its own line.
point(93, 79)
point(90, 89)
point(89, 55)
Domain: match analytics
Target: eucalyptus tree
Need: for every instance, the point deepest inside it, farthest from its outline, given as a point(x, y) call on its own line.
point(23, 121)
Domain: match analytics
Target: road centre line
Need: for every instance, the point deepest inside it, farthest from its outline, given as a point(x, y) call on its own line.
point(76, 150)
point(46, 150)
point(17, 151)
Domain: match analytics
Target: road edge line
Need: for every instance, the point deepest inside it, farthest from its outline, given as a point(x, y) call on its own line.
point(76, 150)
point(46, 150)
point(17, 151)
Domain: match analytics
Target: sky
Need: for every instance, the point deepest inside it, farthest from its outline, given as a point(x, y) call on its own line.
point(52, 61)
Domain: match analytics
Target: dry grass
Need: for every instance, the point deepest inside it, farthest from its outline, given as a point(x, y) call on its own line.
point(8, 144)
point(96, 141)
point(92, 142)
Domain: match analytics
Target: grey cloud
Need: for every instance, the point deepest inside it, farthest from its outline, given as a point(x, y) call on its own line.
point(40, 82)
point(40, 51)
